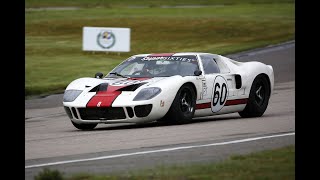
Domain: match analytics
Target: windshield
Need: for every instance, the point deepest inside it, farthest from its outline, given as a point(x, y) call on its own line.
point(156, 66)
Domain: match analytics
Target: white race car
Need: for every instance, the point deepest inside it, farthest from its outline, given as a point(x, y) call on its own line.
point(172, 87)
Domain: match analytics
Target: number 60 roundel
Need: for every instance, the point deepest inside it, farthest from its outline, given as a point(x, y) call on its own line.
point(219, 94)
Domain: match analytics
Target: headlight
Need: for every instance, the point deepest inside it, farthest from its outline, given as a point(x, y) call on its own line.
point(71, 95)
point(147, 93)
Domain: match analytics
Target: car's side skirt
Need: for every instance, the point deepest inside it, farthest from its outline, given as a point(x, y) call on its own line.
point(228, 103)
point(234, 105)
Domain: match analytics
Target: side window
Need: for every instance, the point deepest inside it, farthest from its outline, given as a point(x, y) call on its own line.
point(209, 64)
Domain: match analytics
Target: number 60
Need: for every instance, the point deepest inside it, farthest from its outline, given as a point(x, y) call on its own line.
point(221, 94)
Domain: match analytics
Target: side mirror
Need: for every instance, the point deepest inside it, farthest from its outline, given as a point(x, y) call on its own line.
point(197, 72)
point(98, 75)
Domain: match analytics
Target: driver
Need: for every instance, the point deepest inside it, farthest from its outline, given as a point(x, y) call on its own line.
point(172, 69)
point(147, 68)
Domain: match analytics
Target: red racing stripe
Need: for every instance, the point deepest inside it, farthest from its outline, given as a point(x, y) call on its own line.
point(203, 105)
point(228, 103)
point(139, 78)
point(236, 102)
point(103, 99)
point(111, 89)
point(106, 98)
point(161, 54)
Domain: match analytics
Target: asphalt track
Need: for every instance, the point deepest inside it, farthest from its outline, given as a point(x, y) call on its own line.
point(51, 140)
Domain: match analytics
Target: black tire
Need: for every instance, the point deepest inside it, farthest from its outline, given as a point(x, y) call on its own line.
point(183, 106)
point(84, 126)
point(258, 98)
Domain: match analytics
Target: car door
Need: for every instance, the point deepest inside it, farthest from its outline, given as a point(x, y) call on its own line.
point(218, 86)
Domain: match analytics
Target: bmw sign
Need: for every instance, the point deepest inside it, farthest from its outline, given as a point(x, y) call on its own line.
point(106, 39)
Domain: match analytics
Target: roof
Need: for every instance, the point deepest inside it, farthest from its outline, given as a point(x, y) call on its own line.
point(174, 54)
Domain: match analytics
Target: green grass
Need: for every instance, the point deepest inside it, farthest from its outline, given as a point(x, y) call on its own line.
point(53, 42)
point(266, 165)
point(48, 174)
point(148, 3)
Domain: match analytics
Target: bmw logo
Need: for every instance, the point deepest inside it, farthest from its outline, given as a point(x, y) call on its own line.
point(106, 39)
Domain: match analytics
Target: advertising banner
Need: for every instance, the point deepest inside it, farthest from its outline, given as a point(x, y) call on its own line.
point(106, 39)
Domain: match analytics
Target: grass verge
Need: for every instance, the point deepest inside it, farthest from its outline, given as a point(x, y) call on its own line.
point(269, 164)
point(145, 3)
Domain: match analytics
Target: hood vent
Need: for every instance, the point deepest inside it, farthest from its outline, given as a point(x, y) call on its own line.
point(100, 87)
point(132, 87)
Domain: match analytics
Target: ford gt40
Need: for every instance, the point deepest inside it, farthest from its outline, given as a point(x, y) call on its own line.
point(171, 87)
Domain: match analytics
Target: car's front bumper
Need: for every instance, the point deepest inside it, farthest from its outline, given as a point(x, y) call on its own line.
point(135, 114)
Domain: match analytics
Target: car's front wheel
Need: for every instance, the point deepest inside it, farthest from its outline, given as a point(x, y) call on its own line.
point(183, 106)
point(258, 98)
point(84, 126)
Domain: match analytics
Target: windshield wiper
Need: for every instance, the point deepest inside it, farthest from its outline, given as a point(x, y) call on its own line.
point(115, 73)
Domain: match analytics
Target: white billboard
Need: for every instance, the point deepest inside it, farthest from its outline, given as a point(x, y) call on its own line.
point(106, 39)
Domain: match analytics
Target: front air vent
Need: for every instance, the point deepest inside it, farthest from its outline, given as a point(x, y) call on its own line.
point(130, 111)
point(74, 112)
point(67, 109)
point(143, 110)
point(109, 113)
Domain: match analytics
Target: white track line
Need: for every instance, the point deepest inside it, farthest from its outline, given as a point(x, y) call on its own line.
point(160, 150)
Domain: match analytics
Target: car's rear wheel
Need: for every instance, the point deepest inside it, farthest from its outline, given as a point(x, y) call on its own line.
point(183, 106)
point(258, 98)
point(84, 126)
